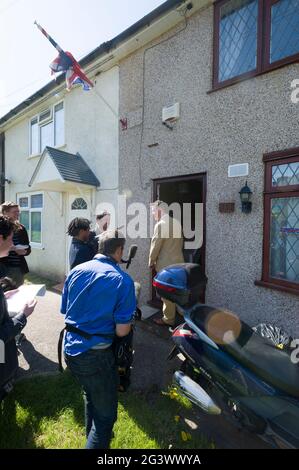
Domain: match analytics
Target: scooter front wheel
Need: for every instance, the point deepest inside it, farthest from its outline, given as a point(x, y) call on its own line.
point(188, 368)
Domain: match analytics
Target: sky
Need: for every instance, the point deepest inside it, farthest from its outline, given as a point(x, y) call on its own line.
point(78, 26)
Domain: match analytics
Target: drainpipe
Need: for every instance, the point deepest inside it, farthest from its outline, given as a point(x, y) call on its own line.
point(2, 165)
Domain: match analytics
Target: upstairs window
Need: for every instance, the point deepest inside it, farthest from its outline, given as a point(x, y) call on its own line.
point(47, 129)
point(46, 136)
point(252, 37)
point(59, 125)
point(237, 38)
point(284, 29)
point(34, 140)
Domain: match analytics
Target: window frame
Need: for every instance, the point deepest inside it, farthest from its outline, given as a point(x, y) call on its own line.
point(54, 124)
point(263, 46)
point(41, 124)
point(31, 210)
point(30, 134)
point(275, 192)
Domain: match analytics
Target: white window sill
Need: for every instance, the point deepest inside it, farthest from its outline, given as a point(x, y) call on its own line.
point(30, 157)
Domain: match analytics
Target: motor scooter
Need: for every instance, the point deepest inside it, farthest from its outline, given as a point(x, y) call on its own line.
point(251, 376)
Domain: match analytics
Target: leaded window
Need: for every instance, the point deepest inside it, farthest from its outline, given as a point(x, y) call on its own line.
point(252, 37)
point(79, 204)
point(238, 38)
point(281, 216)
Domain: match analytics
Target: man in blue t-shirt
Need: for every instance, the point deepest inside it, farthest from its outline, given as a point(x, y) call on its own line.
point(99, 301)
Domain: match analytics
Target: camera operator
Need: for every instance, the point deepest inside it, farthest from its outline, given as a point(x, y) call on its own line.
point(98, 301)
point(9, 327)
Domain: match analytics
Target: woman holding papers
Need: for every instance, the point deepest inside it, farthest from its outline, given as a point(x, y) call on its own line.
point(9, 327)
point(15, 265)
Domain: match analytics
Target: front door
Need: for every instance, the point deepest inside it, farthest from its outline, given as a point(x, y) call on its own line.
point(78, 206)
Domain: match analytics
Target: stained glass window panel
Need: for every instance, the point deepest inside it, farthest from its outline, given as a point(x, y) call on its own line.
point(285, 175)
point(237, 38)
point(79, 204)
point(284, 29)
point(284, 239)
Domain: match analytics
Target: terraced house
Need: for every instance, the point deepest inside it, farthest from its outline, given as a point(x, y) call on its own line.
point(202, 93)
point(219, 76)
point(60, 156)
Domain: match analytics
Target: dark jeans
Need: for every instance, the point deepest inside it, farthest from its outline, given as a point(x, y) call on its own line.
point(96, 372)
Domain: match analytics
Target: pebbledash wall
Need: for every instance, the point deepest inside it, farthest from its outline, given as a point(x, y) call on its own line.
point(90, 129)
point(233, 125)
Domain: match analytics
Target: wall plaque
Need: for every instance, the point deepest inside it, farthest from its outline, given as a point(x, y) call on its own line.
point(226, 207)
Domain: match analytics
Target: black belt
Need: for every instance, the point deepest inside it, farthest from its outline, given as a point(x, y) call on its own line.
point(84, 334)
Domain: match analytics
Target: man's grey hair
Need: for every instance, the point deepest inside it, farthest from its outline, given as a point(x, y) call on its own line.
point(109, 241)
point(160, 205)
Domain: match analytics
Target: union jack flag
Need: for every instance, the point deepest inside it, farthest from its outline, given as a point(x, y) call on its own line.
point(65, 62)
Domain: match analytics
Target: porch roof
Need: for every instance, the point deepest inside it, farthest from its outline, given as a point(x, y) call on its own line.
point(61, 171)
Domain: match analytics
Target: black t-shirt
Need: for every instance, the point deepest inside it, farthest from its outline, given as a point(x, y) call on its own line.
point(80, 252)
point(13, 259)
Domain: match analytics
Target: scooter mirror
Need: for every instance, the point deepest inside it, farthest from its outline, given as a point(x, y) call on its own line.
point(132, 251)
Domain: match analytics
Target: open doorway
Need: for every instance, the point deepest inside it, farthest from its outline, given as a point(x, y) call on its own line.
point(190, 189)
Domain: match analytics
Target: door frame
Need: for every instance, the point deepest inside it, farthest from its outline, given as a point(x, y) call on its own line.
point(179, 179)
point(69, 197)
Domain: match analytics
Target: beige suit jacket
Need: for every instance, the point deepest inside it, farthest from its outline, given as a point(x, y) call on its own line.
point(167, 243)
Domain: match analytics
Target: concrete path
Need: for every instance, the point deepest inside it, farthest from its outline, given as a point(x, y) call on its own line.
point(151, 373)
point(39, 351)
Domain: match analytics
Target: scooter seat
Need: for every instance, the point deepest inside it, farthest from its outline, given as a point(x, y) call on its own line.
point(258, 354)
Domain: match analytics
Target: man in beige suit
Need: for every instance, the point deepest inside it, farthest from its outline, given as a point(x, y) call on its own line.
point(166, 248)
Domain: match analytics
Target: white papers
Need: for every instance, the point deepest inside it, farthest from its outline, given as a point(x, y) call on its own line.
point(25, 294)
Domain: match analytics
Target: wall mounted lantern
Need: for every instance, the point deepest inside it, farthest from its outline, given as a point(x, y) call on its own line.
point(4, 180)
point(245, 196)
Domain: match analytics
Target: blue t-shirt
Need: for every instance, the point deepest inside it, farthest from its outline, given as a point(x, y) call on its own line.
point(97, 295)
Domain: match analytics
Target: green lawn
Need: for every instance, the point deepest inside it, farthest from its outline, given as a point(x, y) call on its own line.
point(32, 278)
point(47, 412)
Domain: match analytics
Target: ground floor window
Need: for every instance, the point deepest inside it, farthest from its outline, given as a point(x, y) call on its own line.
point(31, 211)
point(281, 221)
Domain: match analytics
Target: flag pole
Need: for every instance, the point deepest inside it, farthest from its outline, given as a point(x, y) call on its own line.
point(106, 102)
point(44, 32)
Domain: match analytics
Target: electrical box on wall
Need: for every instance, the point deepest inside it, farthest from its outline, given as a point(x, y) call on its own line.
point(238, 170)
point(171, 113)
